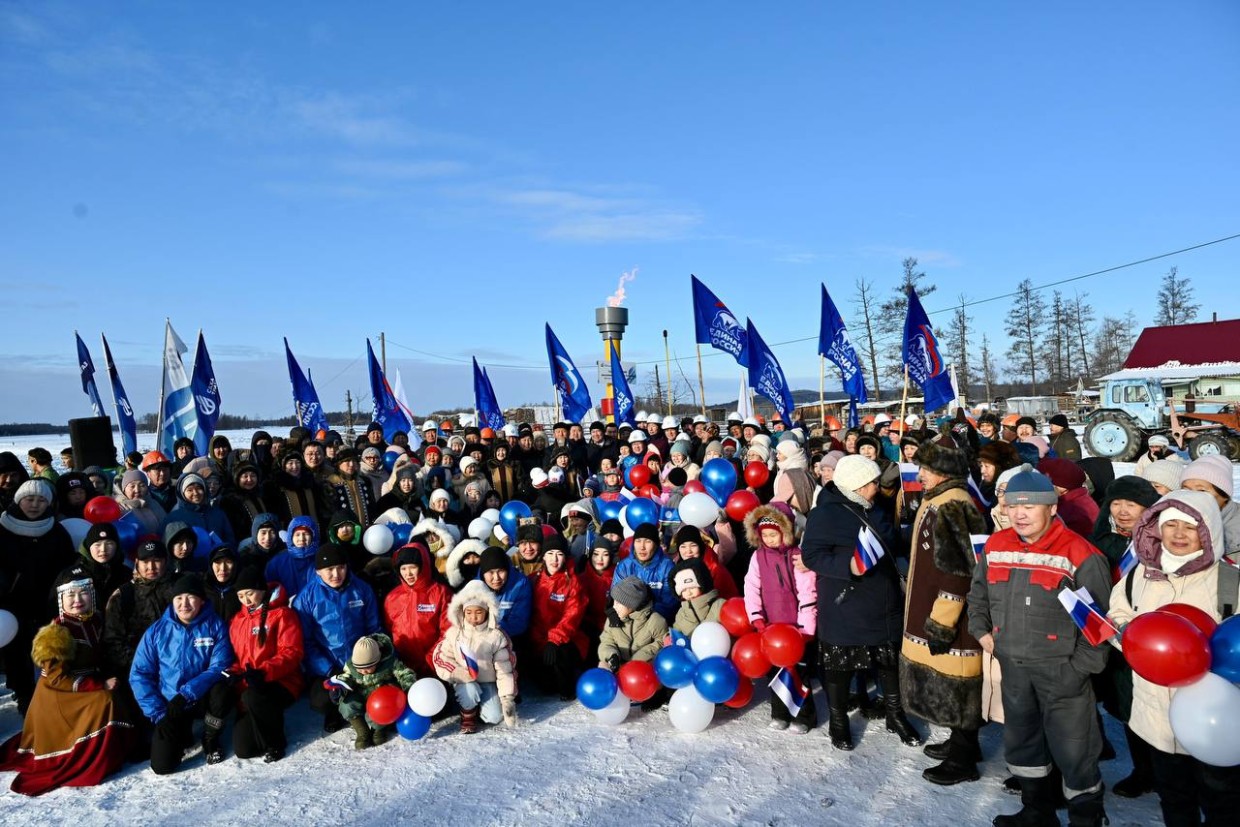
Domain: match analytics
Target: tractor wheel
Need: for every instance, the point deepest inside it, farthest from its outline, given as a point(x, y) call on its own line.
point(1204, 445)
point(1234, 442)
point(1113, 436)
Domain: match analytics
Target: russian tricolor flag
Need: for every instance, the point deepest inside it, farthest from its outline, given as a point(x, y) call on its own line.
point(979, 545)
point(976, 493)
point(1087, 616)
point(909, 480)
point(869, 550)
point(789, 688)
point(1126, 563)
point(470, 660)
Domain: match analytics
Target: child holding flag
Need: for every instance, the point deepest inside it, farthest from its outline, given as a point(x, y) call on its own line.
point(780, 589)
point(475, 657)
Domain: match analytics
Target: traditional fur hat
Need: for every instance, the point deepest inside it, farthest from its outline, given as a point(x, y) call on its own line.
point(943, 457)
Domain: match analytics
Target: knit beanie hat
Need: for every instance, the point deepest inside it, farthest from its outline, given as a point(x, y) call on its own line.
point(530, 533)
point(1165, 472)
point(1060, 420)
point(97, 532)
point(1028, 420)
point(831, 459)
point(1028, 487)
point(223, 552)
point(647, 531)
point(251, 577)
point(412, 553)
point(189, 584)
point(689, 573)
point(440, 494)
point(132, 476)
point(330, 555)
point(1212, 468)
point(687, 534)
point(1175, 514)
point(607, 544)
point(764, 453)
point(33, 488)
point(491, 559)
point(555, 543)
point(854, 472)
point(1064, 473)
point(365, 653)
point(611, 526)
point(1006, 476)
point(631, 592)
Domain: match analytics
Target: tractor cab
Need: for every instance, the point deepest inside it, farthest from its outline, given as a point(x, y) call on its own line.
point(1141, 399)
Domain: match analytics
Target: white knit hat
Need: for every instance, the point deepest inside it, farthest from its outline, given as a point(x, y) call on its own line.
point(33, 488)
point(854, 472)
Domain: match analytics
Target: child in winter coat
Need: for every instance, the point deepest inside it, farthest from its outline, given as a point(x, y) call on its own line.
point(699, 600)
point(780, 589)
point(650, 564)
point(475, 657)
point(266, 639)
point(295, 565)
point(373, 664)
point(416, 611)
point(689, 542)
point(557, 642)
point(634, 630)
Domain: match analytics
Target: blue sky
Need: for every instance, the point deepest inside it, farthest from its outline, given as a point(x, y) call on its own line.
point(457, 175)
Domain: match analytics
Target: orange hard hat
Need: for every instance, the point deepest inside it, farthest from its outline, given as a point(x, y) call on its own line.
point(151, 458)
point(487, 433)
point(761, 419)
point(1010, 420)
point(446, 426)
point(868, 420)
point(833, 424)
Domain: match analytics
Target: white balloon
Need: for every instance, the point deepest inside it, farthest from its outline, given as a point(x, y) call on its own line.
point(615, 713)
point(624, 522)
point(8, 627)
point(378, 539)
point(491, 514)
point(480, 528)
point(1203, 718)
point(77, 528)
point(427, 697)
point(698, 510)
point(710, 640)
point(498, 531)
point(689, 711)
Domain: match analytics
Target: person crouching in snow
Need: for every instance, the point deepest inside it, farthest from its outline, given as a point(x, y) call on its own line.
point(653, 566)
point(557, 641)
point(699, 600)
point(416, 611)
point(475, 658)
point(779, 589)
point(634, 631)
point(266, 637)
point(373, 664)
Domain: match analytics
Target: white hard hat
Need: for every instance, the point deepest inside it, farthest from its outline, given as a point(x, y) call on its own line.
point(641, 416)
point(881, 418)
point(653, 419)
point(700, 420)
point(911, 419)
point(750, 421)
point(670, 422)
point(429, 425)
point(735, 416)
point(638, 435)
point(511, 429)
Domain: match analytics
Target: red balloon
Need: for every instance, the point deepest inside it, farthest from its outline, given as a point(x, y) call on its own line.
point(101, 510)
point(748, 656)
point(744, 694)
point(1198, 617)
point(783, 645)
point(385, 705)
point(650, 491)
point(695, 487)
point(638, 680)
point(1166, 649)
point(639, 475)
point(740, 503)
point(735, 618)
point(756, 474)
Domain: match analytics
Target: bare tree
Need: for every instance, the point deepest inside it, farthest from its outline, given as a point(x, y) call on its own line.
point(988, 368)
point(957, 341)
point(1113, 343)
point(893, 311)
point(1081, 316)
point(1052, 347)
point(1175, 300)
point(1025, 324)
point(866, 305)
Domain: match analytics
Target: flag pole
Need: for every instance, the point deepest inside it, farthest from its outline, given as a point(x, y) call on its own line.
point(904, 398)
point(667, 357)
point(163, 383)
point(822, 390)
point(745, 385)
point(701, 379)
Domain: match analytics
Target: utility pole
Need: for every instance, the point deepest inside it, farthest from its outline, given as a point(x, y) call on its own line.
point(383, 350)
point(348, 417)
point(658, 388)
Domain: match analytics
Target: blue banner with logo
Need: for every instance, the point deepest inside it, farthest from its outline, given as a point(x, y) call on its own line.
point(715, 325)
point(834, 344)
point(489, 413)
point(206, 397)
point(766, 376)
point(574, 395)
point(124, 411)
point(921, 356)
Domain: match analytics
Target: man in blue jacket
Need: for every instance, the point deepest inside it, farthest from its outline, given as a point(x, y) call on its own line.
point(178, 675)
point(649, 564)
point(294, 567)
point(512, 592)
point(194, 509)
point(335, 610)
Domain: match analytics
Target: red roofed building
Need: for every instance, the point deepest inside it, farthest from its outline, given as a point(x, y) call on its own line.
point(1200, 343)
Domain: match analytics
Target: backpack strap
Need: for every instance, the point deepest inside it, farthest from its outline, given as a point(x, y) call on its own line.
point(1228, 587)
point(1128, 578)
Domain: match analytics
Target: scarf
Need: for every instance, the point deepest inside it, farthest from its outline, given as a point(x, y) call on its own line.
point(16, 522)
point(1171, 563)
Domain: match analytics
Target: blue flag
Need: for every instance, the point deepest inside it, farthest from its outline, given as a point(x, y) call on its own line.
point(622, 397)
point(87, 366)
point(715, 325)
point(179, 416)
point(310, 413)
point(206, 396)
point(766, 376)
point(386, 410)
point(921, 356)
point(833, 343)
point(124, 411)
point(489, 413)
point(574, 395)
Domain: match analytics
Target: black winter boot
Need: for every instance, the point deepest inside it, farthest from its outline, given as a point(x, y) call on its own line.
point(896, 720)
point(1087, 811)
point(1037, 809)
point(1141, 781)
point(836, 685)
point(211, 749)
point(959, 760)
point(361, 730)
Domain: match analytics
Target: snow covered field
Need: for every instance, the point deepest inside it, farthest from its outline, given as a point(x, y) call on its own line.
point(559, 767)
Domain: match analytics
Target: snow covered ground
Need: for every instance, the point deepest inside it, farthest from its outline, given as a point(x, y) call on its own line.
point(560, 767)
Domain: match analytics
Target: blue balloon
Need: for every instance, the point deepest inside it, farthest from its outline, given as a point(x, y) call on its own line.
point(413, 726)
point(716, 679)
point(609, 510)
point(675, 666)
point(128, 529)
point(1225, 649)
point(719, 478)
point(389, 460)
point(512, 511)
point(400, 533)
point(641, 511)
point(596, 688)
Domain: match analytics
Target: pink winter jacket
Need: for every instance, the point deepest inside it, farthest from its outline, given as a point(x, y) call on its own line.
point(762, 596)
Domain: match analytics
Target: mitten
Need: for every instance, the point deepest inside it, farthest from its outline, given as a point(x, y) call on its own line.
point(758, 624)
point(509, 706)
point(176, 706)
point(550, 655)
point(254, 676)
point(939, 647)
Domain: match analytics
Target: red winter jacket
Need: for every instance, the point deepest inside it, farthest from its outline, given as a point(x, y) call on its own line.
point(280, 654)
point(597, 587)
point(417, 617)
point(559, 608)
point(1078, 511)
point(724, 582)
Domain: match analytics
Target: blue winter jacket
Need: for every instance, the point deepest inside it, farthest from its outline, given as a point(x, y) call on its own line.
point(294, 567)
point(655, 574)
point(210, 518)
point(174, 657)
point(516, 602)
point(332, 620)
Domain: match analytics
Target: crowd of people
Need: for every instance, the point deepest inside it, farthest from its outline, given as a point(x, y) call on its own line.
point(250, 586)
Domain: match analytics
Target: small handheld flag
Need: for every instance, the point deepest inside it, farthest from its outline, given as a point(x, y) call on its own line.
point(789, 688)
point(1087, 616)
point(869, 550)
point(979, 545)
point(470, 660)
point(1126, 563)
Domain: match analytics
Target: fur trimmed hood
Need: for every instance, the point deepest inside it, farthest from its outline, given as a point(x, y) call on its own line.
point(442, 539)
point(770, 512)
point(475, 592)
point(455, 577)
